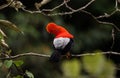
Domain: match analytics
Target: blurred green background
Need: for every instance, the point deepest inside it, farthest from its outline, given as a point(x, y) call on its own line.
point(90, 36)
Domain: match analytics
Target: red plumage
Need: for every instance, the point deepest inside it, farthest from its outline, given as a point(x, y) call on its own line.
point(58, 31)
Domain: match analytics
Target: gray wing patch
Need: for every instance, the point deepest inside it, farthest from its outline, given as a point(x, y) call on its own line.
point(60, 43)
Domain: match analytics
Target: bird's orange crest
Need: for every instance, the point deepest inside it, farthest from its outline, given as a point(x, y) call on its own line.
point(51, 27)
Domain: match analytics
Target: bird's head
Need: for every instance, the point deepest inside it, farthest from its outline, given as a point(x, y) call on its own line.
point(52, 28)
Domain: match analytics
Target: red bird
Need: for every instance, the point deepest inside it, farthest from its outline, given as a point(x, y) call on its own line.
point(62, 42)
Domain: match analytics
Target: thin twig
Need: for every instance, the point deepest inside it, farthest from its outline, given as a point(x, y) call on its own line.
point(101, 22)
point(43, 2)
point(113, 38)
point(25, 54)
point(109, 23)
point(6, 5)
point(50, 10)
point(42, 11)
point(68, 6)
point(73, 10)
point(108, 15)
point(92, 54)
point(116, 4)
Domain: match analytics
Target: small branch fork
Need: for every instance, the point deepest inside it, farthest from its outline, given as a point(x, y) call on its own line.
point(63, 13)
point(44, 55)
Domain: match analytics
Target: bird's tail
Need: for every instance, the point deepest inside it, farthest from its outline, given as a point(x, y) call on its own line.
point(55, 56)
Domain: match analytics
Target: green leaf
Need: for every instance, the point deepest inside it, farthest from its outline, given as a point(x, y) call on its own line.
point(10, 25)
point(29, 74)
point(18, 76)
point(71, 68)
point(94, 64)
point(8, 63)
point(109, 70)
point(18, 63)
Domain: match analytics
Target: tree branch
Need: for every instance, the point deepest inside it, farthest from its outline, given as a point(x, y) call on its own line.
point(44, 55)
point(24, 54)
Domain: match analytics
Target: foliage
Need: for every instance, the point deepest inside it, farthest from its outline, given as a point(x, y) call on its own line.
point(29, 74)
point(18, 63)
point(8, 64)
point(71, 69)
point(96, 66)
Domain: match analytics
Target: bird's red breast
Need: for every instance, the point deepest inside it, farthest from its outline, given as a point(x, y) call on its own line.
point(58, 31)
